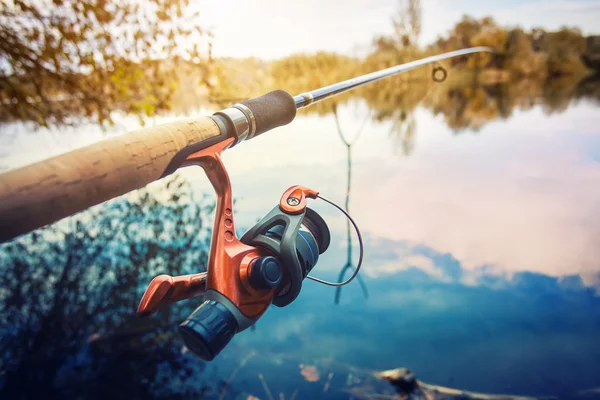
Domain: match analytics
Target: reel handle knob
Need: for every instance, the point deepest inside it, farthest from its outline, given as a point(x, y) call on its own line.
point(208, 329)
point(265, 273)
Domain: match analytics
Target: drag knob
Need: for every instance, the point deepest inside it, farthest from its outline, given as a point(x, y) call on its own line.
point(265, 273)
point(208, 329)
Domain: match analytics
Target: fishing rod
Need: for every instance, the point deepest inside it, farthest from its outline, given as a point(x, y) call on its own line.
point(244, 276)
point(306, 99)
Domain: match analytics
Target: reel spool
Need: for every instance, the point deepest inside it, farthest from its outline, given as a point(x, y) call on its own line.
point(296, 240)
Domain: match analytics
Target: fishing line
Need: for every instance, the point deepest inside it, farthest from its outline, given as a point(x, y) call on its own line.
point(360, 243)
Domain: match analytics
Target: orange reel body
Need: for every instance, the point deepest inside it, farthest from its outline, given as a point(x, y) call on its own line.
point(243, 277)
point(230, 260)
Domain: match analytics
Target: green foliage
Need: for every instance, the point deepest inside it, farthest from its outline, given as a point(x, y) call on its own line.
point(61, 60)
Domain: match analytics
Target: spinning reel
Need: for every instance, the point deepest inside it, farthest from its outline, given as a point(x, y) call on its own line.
point(245, 276)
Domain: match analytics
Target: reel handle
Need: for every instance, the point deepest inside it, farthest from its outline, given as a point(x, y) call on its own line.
point(165, 289)
point(208, 329)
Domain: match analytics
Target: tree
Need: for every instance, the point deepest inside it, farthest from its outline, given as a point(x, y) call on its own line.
point(470, 32)
point(407, 23)
point(402, 46)
point(61, 59)
point(521, 58)
point(299, 73)
point(564, 48)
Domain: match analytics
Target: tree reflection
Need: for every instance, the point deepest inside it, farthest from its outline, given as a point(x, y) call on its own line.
point(468, 101)
point(61, 60)
point(589, 88)
point(70, 293)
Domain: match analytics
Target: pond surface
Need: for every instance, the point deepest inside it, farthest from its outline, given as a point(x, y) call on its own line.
point(481, 268)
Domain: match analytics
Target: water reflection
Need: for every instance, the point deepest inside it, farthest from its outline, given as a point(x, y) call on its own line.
point(70, 291)
point(481, 260)
point(455, 193)
point(451, 233)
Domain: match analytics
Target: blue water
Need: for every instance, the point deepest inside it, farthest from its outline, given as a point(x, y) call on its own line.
point(481, 272)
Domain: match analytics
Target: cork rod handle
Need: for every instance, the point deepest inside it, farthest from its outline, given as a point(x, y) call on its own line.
point(42, 193)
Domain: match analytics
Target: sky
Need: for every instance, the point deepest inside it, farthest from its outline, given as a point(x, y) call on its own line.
point(272, 29)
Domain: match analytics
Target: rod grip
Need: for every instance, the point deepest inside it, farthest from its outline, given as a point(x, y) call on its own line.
point(44, 192)
point(276, 108)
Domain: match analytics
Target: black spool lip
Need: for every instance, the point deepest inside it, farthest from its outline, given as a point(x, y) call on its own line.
point(318, 227)
point(208, 329)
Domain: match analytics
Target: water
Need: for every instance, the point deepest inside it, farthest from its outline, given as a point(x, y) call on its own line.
point(481, 268)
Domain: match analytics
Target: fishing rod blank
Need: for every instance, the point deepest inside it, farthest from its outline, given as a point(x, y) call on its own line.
point(52, 189)
point(306, 99)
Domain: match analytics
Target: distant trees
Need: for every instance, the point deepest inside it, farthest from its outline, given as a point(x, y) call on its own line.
point(528, 68)
point(303, 72)
point(466, 31)
point(60, 61)
point(564, 49)
point(523, 57)
point(535, 53)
